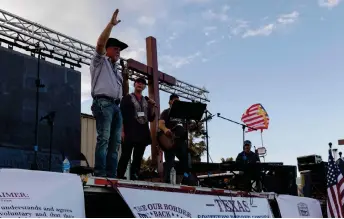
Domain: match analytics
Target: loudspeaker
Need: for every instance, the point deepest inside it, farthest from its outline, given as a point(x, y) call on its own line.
point(282, 181)
point(62, 93)
point(313, 180)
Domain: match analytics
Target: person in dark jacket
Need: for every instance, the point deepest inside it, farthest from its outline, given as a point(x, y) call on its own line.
point(247, 156)
point(137, 111)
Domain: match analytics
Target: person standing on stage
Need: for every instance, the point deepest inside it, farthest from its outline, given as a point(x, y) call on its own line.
point(137, 112)
point(247, 156)
point(106, 92)
point(166, 125)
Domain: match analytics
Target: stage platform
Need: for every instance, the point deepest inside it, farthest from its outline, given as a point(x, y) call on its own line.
point(103, 199)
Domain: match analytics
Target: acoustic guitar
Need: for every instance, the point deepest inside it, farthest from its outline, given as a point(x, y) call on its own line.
point(167, 143)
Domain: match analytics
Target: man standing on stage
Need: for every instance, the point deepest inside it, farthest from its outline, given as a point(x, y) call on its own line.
point(106, 92)
point(137, 112)
point(168, 125)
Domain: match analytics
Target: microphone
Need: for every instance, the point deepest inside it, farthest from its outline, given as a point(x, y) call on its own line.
point(147, 99)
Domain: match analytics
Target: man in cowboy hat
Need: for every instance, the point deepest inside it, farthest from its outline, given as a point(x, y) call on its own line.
point(106, 92)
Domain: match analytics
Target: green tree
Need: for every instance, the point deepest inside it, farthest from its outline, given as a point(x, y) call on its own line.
point(147, 164)
point(227, 159)
point(197, 144)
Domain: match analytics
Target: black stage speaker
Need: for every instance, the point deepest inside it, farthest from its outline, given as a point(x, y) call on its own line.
point(282, 180)
point(313, 180)
point(62, 93)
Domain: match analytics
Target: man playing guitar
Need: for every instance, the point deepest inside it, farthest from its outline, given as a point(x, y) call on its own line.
point(173, 128)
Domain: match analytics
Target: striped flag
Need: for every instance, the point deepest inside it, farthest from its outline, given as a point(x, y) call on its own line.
point(256, 117)
point(335, 189)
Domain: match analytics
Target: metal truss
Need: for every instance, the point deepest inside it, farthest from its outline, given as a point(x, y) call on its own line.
point(34, 37)
point(31, 35)
point(181, 88)
point(186, 91)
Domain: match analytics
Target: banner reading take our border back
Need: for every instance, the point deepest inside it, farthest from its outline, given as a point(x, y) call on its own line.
point(158, 204)
point(298, 207)
point(35, 194)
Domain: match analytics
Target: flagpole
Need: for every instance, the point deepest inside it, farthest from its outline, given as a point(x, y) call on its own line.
point(243, 133)
point(261, 137)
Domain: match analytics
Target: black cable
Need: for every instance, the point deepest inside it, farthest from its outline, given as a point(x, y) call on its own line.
point(233, 207)
point(112, 185)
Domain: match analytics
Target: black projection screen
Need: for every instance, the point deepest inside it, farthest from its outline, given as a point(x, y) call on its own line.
point(62, 93)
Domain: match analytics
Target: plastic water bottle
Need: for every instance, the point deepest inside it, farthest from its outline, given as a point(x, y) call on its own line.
point(65, 165)
point(173, 176)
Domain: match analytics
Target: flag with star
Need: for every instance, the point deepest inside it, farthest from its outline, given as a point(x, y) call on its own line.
point(256, 118)
point(335, 189)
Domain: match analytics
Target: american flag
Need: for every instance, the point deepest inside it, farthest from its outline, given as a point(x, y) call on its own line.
point(335, 189)
point(256, 117)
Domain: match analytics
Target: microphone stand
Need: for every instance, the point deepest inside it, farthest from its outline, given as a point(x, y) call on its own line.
point(34, 165)
point(206, 134)
point(238, 123)
point(51, 119)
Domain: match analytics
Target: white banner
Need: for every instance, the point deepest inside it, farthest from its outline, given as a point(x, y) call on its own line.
point(25, 193)
point(299, 207)
point(158, 204)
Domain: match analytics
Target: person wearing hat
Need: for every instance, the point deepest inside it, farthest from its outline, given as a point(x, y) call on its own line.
point(106, 91)
point(247, 156)
point(137, 112)
point(169, 125)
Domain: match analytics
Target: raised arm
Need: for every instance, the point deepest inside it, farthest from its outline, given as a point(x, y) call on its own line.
point(104, 36)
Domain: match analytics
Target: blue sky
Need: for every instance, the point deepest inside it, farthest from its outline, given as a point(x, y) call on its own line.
point(286, 55)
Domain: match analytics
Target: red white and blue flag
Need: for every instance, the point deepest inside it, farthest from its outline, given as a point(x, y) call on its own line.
point(335, 189)
point(256, 117)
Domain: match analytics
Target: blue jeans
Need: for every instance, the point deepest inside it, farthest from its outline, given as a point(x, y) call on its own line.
point(109, 127)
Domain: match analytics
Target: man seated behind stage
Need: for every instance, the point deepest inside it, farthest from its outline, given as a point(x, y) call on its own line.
point(247, 156)
point(167, 125)
point(137, 112)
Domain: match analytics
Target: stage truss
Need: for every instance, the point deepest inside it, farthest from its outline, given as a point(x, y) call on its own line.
point(22, 33)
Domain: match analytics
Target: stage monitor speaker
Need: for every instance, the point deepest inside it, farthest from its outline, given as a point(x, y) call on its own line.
point(304, 161)
point(282, 181)
point(62, 94)
point(313, 181)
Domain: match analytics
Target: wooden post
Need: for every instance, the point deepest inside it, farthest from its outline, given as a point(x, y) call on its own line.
point(153, 91)
point(125, 75)
point(125, 85)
